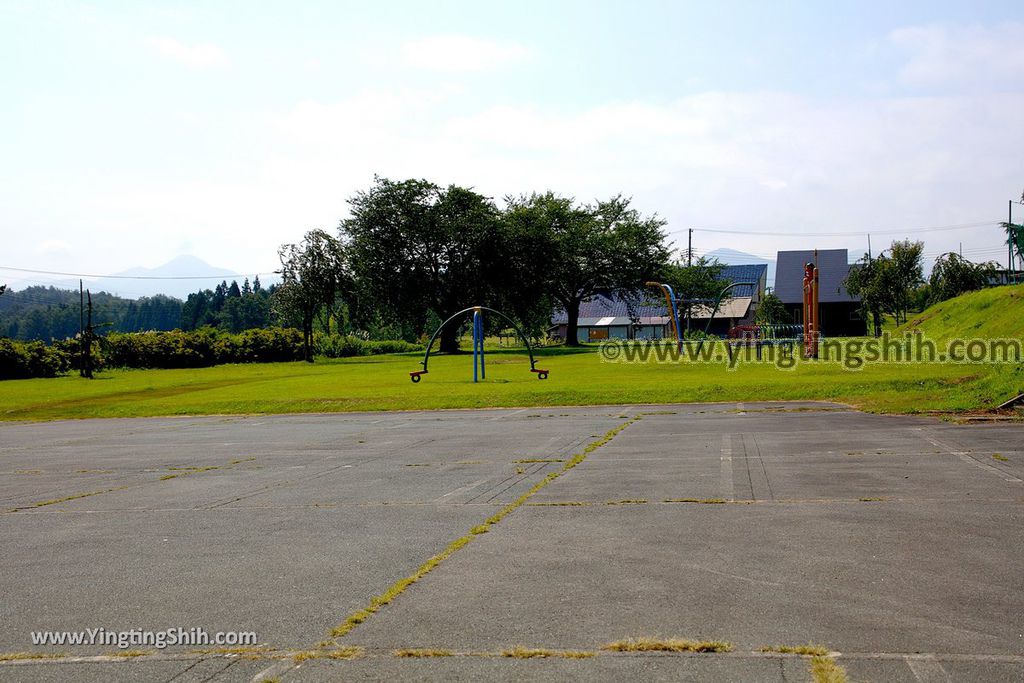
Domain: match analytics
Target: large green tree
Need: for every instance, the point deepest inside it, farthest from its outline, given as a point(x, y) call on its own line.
point(907, 275)
point(886, 283)
point(699, 280)
point(1015, 240)
point(607, 247)
point(771, 310)
point(312, 275)
point(953, 275)
point(416, 248)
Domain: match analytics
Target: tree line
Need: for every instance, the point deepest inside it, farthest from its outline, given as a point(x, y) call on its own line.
point(413, 252)
point(48, 313)
point(893, 282)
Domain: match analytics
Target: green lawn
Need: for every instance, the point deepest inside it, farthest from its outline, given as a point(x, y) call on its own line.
point(577, 378)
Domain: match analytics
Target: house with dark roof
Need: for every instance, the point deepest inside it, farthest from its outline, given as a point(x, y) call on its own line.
point(645, 316)
point(841, 314)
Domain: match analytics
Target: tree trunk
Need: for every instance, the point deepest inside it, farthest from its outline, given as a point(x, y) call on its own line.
point(307, 339)
point(449, 337)
point(572, 311)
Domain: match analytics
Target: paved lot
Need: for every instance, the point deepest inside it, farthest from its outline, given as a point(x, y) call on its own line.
point(896, 542)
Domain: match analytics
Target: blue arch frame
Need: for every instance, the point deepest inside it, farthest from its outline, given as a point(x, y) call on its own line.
point(541, 373)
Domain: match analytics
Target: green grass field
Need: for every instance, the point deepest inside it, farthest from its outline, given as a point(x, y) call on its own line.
point(577, 378)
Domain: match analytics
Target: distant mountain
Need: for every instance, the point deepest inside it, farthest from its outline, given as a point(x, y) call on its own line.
point(180, 266)
point(731, 257)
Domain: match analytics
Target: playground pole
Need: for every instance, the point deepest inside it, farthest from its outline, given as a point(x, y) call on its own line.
point(476, 344)
point(480, 336)
point(817, 314)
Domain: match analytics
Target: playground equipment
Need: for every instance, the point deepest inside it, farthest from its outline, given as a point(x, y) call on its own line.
point(479, 370)
point(785, 337)
point(673, 306)
point(812, 322)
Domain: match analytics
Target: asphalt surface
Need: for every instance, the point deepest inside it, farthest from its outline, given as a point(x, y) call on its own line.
point(896, 542)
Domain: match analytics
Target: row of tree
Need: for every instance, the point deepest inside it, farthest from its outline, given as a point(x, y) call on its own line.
point(893, 282)
point(229, 307)
point(413, 252)
point(48, 313)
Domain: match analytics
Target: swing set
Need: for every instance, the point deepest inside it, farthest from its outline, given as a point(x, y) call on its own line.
point(479, 368)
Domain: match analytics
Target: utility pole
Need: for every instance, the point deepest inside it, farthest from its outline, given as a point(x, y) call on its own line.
point(85, 369)
point(869, 246)
point(689, 248)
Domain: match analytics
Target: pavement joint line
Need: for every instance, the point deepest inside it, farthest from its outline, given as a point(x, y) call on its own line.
point(397, 588)
point(670, 501)
point(966, 457)
point(287, 656)
point(65, 499)
point(176, 472)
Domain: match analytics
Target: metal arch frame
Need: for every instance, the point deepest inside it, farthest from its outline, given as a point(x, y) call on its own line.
point(541, 373)
point(673, 308)
point(718, 302)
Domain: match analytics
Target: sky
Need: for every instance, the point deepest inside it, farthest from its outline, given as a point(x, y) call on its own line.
point(131, 133)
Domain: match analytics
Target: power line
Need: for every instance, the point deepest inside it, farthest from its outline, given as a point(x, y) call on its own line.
point(848, 233)
point(134, 277)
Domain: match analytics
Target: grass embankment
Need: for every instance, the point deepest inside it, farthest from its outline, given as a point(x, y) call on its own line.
point(578, 377)
point(995, 313)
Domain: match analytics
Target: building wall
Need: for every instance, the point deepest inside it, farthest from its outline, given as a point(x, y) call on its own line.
point(599, 334)
point(840, 319)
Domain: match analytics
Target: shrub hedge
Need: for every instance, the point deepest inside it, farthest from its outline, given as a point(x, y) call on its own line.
point(21, 360)
point(339, 346)
point(199, 348)
point(178, 349)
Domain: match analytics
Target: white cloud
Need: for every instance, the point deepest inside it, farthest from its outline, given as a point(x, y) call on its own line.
point(970, 56)
point(200, 56)
point(711, 160)
point(458, 53)
point(52, 246)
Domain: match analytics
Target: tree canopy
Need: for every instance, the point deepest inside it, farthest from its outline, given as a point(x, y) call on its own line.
point(312, 275)
point(953, 275)
point(606, 247)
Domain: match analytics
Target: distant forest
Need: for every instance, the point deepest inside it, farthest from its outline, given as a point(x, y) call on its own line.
point(47, 313)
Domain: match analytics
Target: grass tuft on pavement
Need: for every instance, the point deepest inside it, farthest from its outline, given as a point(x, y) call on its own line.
point(667, 645)
point(826, 670)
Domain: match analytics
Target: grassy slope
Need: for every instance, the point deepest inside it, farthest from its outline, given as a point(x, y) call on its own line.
point(990, 313)
point(577, 378)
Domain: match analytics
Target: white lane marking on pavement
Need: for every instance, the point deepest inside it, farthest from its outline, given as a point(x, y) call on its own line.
point(927, 669)
point(272, 672)
point(969, 460)
point(728, 492)
point(502, 416)
point(739, 577)
point(461, 489)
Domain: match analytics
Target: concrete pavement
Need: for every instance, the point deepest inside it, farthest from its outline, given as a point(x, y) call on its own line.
point(892, 541)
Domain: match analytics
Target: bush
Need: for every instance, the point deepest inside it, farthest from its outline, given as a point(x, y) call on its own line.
point(338, 346)
point(177, 349)
point(200, 348)
point(22, 360)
